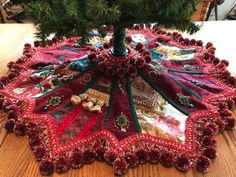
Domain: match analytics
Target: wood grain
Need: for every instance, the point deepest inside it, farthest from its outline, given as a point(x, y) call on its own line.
point(202, 10)
point(17, 160)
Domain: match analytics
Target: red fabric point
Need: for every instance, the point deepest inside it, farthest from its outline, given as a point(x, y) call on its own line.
point(131, 159)
point(139, 46)
point(110, 157)
point(76, 159)
point(216, 61)
point(183, 163)
point(27, 45)
point(46, 167)
point(142, 156)
point(140, 62)
point(208, 45)
point(199, 43)
point(148, 59)
point(24, 52)
point(210, 152)
point(225, 113)
point(9, 125)
point(5, 104)
point(225, 62)
point(154, 156)
point(120, 166)
point(11, 107)
point(220, 65)
point(163, 39)
point(192, 41)
point(225, 74)
point(146, 52)
point(29, 55)
point(186, 41)
point(36, 43)
point(230, 123)
point(175, 33)
point(62, 164)
point(148, 25)
point(4, 79)
point(20, 129)
point(39, 153)
point(106, 45)
point(222, 105)
point(55, 39)
point(208, 141)
point(203, 164)
point(214, 127)
point(12, 75)
point(128, 39)
point(230, 104)
point(221, 124)
point(208, 131)
point(49, 42)
point(137, 27)
point(10, 64)
point(89, 156)
point(92, 56)
point(100, 154)
point(231, 80)
point(166, 159)
point(34, 141)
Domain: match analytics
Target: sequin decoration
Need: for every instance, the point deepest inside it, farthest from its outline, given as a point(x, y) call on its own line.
point(122, 122)
point(185, 100)
point(197, 83)
point(188, 67)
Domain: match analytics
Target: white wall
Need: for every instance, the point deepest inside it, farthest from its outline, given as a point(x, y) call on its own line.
point(223, 10)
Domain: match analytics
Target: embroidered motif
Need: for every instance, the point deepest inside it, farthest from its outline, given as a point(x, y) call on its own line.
point(122, 122)
point(19, 90)
point(53, 101)
point(185, 100)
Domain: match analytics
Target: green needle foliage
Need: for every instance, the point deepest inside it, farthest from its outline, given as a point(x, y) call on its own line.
point(78, 17)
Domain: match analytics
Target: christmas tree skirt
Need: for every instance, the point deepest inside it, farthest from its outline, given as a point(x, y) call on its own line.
point(163, 102)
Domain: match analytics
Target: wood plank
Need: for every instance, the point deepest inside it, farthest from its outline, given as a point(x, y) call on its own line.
point(17, 161)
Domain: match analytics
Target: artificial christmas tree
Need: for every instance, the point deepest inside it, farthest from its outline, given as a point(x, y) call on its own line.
point(77, 18)
point(118, 94)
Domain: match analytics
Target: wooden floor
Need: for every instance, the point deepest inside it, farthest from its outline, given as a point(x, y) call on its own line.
point(16, 159)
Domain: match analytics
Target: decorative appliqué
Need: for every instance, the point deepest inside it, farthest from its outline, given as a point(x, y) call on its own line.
point(122, 122)
point(53, 101)
point(190, 67)
point(185, 100)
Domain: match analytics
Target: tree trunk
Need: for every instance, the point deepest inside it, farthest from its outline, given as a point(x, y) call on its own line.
point(119, 47)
